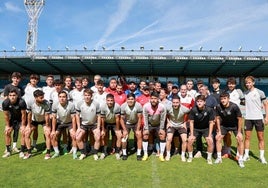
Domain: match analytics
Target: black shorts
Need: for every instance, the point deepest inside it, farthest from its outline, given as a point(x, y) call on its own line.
point(225, 130)
point(88, 127)
point(249, 124)
point(201, 132)
point(110, 127)
point(153, 128)
point(61, 127)
point(15, 124)
point(178, 130)
point(36, 123)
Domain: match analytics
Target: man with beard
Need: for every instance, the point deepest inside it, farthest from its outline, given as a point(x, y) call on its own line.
point(154, 114)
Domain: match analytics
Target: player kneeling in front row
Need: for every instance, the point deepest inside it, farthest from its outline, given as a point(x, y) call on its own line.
point(110, 121)
point(131, 117)
point(201, 123)
point(154, 114)
point(88, 120)
point(175, 122)
point(63, 116)
point(14, 109)
point(38, 114)
point(228, 118)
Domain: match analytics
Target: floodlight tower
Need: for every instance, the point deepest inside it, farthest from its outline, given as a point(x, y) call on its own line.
point(34, 9)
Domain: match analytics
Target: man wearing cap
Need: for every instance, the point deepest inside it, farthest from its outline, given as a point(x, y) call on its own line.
point(174, 92)
point(132, 88)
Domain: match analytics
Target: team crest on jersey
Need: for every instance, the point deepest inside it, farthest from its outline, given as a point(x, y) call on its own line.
point(205, 114)
point(228, 112)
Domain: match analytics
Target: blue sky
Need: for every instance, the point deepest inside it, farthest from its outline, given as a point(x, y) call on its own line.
point(135, 23)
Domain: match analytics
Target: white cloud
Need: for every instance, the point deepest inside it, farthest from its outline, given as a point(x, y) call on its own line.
point(124, 8)
point(13, 8)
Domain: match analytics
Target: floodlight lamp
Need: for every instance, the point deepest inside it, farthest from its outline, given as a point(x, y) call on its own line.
point(181, 48)
point(240, 48)
point(220, 48)
point(13, 48)
point(122, 48)
point(260, 48)
point(103, 48)
point(161, 48)
point(142, 48)
point(85, 48)
point(200, 48)
point(67, 48)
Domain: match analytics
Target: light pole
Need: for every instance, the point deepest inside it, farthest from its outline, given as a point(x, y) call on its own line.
point(34, 9)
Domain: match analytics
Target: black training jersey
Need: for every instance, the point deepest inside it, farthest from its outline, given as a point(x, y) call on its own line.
point(10, 87)
point(202, 117)
point(14, 109)
point(229, 114)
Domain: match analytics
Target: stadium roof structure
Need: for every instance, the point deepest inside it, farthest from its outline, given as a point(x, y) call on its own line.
point(137, 62)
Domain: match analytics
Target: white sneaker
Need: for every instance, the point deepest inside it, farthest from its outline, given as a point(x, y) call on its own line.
point(167, 158)
point(6, 155)
point(21, 155)
point(117, 156)
point(218, 161)
point(27, 156)
point(15, 150)
point(102, 156)
point(198, 155)
point(246, 158)
point(82, 156)
point(55, 155)
point(47, 156)
point(96, 157)
point(241, 163)
point(190, 159)
point(183, 159)
point(209, 161)
point(263, 161)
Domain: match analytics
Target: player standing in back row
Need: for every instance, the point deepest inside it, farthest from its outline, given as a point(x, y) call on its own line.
point(254, 99)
